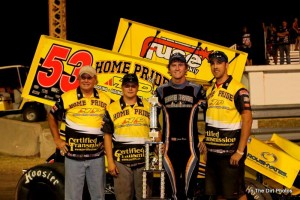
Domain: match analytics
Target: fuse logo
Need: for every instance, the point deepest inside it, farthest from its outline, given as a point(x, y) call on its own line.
point(164, 47)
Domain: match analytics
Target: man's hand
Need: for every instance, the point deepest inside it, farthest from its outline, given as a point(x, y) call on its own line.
point(203, 150)
point(202, 147)
point(235, 158)
point(62, 146)
point(113, 169)
point(162, 150)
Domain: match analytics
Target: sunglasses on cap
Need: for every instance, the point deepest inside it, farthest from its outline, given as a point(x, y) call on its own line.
point(88, 77)
point(220, 55)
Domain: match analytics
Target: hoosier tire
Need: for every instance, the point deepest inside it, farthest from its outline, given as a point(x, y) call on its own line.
point(45, 181)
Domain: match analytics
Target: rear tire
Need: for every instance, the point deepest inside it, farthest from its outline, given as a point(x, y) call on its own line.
point(45, 181)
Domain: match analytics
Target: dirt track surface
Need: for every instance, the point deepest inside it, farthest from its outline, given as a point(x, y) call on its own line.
point(11, 170)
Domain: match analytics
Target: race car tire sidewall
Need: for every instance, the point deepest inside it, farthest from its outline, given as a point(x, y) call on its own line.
point(45, 181)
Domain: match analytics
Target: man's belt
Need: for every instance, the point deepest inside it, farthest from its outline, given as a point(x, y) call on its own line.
point(220, 151)
point(177, 139)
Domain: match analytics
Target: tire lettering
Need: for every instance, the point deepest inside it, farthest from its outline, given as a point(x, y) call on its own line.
point(39, 173)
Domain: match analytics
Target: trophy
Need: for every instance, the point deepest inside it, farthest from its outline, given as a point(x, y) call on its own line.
point(153, 100)
point(153, 170)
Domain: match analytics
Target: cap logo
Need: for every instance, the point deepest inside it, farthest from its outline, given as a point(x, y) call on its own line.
point(220, 55)
point(177, 56)
point(130, 78)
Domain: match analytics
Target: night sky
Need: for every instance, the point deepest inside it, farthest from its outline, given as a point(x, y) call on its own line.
point(95, 23)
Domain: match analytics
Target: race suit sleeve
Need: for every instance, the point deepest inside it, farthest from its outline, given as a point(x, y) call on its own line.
point(108, 126)
point(58, 110)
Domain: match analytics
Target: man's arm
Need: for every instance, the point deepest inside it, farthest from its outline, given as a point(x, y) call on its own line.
point(246, 129)
point(108, 129)
point(282, 34)
point(112, 168)
point(53, 125)
point(245, 133)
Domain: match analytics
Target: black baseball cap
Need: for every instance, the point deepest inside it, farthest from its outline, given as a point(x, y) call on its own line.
point(130, 78)
point(177, 56)
point(219, 55)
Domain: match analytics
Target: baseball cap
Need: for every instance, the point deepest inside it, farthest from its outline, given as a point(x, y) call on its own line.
point(88, 70)
point(177, 56)
point(219, 55)
point(130, 78)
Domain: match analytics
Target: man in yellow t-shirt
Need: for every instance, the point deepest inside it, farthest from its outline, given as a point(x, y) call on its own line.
point(80, 139)
point(227, 128)
point(127, 127)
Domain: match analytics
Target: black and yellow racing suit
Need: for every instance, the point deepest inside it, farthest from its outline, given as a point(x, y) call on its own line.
point(180, 105)
point(130, 128)
point(81, 119)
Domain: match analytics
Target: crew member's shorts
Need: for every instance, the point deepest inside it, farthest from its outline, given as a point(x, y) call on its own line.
point(224, 179)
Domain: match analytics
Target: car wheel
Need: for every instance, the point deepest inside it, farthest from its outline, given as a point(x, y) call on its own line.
point(30, 114)
point(45, 181)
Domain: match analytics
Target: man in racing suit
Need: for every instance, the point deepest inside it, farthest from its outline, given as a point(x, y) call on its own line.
point(180, 100)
